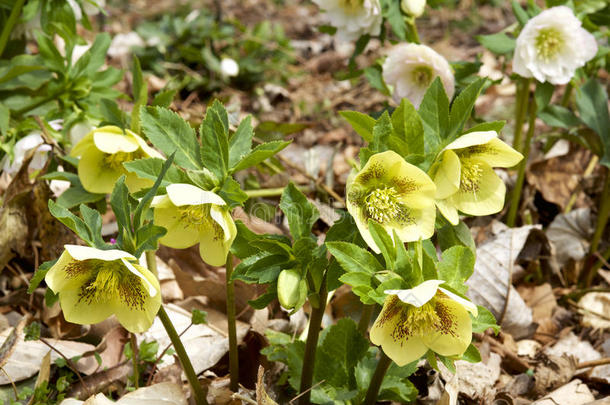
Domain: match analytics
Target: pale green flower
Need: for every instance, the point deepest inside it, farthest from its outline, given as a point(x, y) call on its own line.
point(93, 284)
point(192, 215)
point(394, 193)
point(102, 153)
point(426, 317)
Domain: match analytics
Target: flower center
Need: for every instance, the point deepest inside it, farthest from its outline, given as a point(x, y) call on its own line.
point(549, 42)
point(198, 216)
point(382, 204)
point(470, 177)
point(108, 280)
point(114, 161)
point(422, 75)
point(351, 5)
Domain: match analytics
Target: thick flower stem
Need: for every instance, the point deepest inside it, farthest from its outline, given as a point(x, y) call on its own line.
point(602, 220)
point(375, 384)
point(523, 88)
point(309, 360)
point(516, 194)
point(10, 24)
point(365, 318)
point(134, 358)
point(414, 37)
point(198, 393)
point(233, 359)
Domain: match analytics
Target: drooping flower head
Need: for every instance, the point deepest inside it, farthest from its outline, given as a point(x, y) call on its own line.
point(102, 153)
point(464, 176)
point(93, 284)
point(21, 149)
point(552, 45)
point(426, 317)
point(192, 215)
point(411, 68)
point(394, 193)
point(352, 18)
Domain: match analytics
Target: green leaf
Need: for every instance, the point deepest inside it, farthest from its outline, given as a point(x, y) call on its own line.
point(112, 114)
point(71, 221)
point(121, 206)
point(462, 108)
point(472, 354)
point(484, 321)
point(391, 11)
point(499, 43)
point(592, 103)
point(300, 213)
point(39, 275)
point(77, 195)
point(384, 242)
point(150, 168)
point(164, 98)
point(487, 126)
point(260, 153)
point(354, 258)
point(543, 94)
point(455, 267)
point(449, 235)
point(199, 317)
point(434, 112)
point(408, 127)
point(5, 118)
point(93, 59)
point(558, 116)
point(32, 331)
point(519, 12)
point(50, 55)
point(374, 75)
point(362, 123)
point(140, 94)
point(215, 141)
point(147, 238)
point(93, 220)
point(143, 205)
point(232, 193)
point(170, 133)
point(382, 131)
point(240, 142)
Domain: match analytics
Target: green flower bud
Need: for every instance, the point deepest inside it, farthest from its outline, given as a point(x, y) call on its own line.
point(288, 288)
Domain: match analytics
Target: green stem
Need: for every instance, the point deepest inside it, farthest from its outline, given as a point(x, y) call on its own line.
point(309, 360)
point(595, 268)
point(520, 111)
point(233, 356)
point(365, 317)
point(516, 194)
point(377, 379)
point(412, 29)
point(567, 94)
point(198, 393)
point(134, 357)
point(10, 24)
point(602, 215)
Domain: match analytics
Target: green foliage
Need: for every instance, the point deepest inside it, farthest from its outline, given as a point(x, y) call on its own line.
point(592, 103)
point(499, 43)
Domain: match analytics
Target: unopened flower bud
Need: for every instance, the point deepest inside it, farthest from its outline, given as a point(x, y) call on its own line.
point(288, 284)
point(414, 8)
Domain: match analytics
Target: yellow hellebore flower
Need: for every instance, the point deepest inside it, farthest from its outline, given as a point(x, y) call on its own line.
point(394, 193)
point(464, 176)
point(93, 284)
point(102, 153)
point(426, 317)
point(192, 215)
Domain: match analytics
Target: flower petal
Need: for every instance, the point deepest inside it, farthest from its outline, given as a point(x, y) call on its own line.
point(94, 175)
point(212, 247)
point(469, 306)
point(135, 183)
point(187, 194)
point(85, 252)
point(488, 199)
point(447, 175)
point(420, 227)
point(224, 219)
point(498, 154)
point(108, 140)
point(456, 335)
point(77, 310)
point(448, 210)
point(148, 151)
point(472, 139)
point(83, 145)
point(180, 234)
point(57, 278)
point(418, 295)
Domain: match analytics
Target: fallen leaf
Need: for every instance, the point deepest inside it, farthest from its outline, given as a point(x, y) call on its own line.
point(574, 393)
point(570, 234)
point(595, 307)
point(159, 394)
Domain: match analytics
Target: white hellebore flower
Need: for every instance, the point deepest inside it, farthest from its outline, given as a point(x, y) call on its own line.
point(425, 317)
point(411, 68)
point(414, 8)
point(229, 67)
point(122, 43)
point(552, 46)
point(21, 149)
point(352, 18)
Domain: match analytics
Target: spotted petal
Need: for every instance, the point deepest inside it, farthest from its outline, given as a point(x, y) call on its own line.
point(95, 176)
point(456, 333)
point(487, 199)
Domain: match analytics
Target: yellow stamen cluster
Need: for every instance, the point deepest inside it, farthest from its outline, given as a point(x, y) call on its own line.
point(115, 161)
point(422, 75)
point(382, 204)
point(549, 43)
point(470, 177)
point(351, 5)
point(198, 216)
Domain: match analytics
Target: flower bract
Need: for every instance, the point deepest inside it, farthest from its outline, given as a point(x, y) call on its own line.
point(426, 317)
point(394, 193)
point(93, 284)
point(411, 68)
point(102, 153)
point(464, 176)
point(552, 45)
point(192, 215)
point(352, 18)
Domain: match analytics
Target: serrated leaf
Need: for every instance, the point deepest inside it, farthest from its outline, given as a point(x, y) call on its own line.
point(300, 213)
point(260, 153)
point(77, 195)
point(487, 126)
point(362, 123)
point(215, 142)
point(484, 321)
point(70, 220)
point(434, 112)
point(240, 142)
point(172, 134)
point(164, 98)
point(455, 267)
point(150, 168)
point(384, 242)
point(462, 108)
point(354, 258)
point(407, 125)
